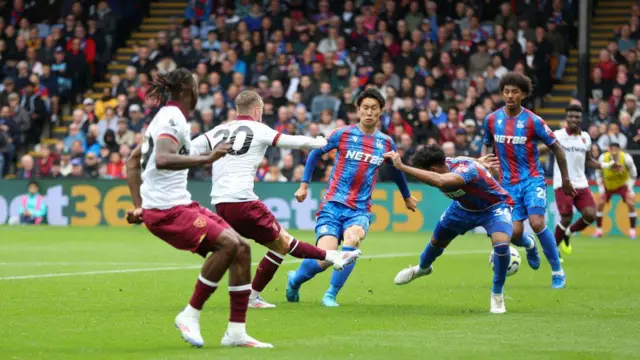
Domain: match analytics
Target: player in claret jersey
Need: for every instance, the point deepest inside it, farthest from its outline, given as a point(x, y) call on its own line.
point(234, 199)
point(514, 132)
point(478, 200)
point(157, 176)
point(345, 210)
point(577, 147)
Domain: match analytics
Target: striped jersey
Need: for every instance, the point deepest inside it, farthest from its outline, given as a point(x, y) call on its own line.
point(480, 190)
point(358, 158)
point(515, 141)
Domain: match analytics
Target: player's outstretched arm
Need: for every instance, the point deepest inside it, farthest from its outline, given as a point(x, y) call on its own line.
point(561, 158)
point(167, 157)
point(434, 179)
point(300, 142)
point(134, 180)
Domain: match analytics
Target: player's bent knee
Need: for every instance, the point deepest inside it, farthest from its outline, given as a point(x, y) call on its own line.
point(243, 249)
point(353, 236)
point(229, 241)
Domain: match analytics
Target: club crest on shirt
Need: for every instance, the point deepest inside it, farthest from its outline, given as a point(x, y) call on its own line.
point(520, 124)
point(354, 138)
point(200, 222)
point(379, 144)
point(323, 229)
point(584, 141)
point(462, 169)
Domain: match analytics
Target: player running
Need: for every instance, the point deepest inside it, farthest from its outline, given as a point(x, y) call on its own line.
point(157, 176)
point(233, 197)
point(513, 132)
point(344, 213)
point(577, 147)
point(478, 200)
point(617, 177)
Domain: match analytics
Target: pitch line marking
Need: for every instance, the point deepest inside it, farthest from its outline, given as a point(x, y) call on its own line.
point(174, 268)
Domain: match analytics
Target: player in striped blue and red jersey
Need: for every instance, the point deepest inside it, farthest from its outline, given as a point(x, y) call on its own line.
point(345, 210)
point(514, 132)
point(478, 200)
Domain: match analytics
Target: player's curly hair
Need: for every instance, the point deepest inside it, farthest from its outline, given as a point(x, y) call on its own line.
point(574, 107)
point(372, 93)
point(428, 156)
point(522, 82)
point(171, 84)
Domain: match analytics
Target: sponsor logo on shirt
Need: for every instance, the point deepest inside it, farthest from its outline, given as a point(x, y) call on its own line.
point(360, 156)
point(515, 140)
point(455, 194)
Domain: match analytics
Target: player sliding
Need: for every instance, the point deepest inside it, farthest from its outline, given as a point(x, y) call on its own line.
point(478, 200)
point(618, 177)
point(232, 190)
point(577, 146)
point(513, 132)
point(157, 176)
point(345, 210)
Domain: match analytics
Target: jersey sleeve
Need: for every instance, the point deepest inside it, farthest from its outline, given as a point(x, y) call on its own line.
point(171, 129)
point(201, 144)
point(487, 137)
point(468, 172)
point(266, 135)
point(543, 131)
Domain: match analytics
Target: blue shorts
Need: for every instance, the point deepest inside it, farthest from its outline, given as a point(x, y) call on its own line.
point(334, 218)
point(530, 197)
point(456, 221)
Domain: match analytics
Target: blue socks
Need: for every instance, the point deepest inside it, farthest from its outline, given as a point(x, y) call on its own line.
point(307, 270)
point(524, 241)
point(338, 278)
point(429, 255)
point(501, 260)
point(550, 249)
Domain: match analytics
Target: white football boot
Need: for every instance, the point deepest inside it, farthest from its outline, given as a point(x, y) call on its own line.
point(189, 327)
point(243, 340)
point(340, 259)
point(497, 304)
point(259, 303)
point(412, 272)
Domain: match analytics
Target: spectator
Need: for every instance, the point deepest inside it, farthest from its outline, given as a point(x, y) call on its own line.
point(124, 136)
point(449, 149)
point(77, 168)
point(613, 135)
point(33, 209)
point(46, 160)
point(631, 107)
point(436, 114)
point(461, 143)
point(74, 135)
point(91, 166)
point(115, 167)
point(324, 101)
point(274, 175)
point(287, 167)
point(29, 169)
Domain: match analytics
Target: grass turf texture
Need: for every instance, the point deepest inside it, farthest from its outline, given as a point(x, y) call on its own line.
point(129, 315)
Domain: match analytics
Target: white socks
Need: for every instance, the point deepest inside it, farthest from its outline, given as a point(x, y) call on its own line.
point(191, 311)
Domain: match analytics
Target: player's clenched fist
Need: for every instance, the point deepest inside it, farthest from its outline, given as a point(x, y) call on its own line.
point(411, 203)
point(134, 216)
point(395, 158)
point(220, 150)
point(301, 193)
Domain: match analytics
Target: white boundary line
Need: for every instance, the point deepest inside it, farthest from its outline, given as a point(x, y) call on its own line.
point(187, 267)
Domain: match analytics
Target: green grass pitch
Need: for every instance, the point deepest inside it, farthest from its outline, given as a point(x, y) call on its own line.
point(109, 293)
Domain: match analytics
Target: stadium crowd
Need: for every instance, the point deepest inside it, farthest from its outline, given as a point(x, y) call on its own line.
point(437, 63)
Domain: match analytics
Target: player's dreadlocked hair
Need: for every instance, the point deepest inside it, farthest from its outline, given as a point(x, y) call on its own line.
point(373, 94)
point(428, 156)
point(171, 84)
point(522, 82)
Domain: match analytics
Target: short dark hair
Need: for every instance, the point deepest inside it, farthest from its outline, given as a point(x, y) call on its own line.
point(373, 94)
point(614, 144)
point(33, 183)
point(522, 82)
point(429, 156)
point(573, 107)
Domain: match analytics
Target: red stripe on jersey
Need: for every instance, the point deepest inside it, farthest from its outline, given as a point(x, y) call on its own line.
point(275, 139)
point(531, 150)
point(361, 173)
point(169, 136)
point(491, 120)
point(510, 150)
point(340, 162)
